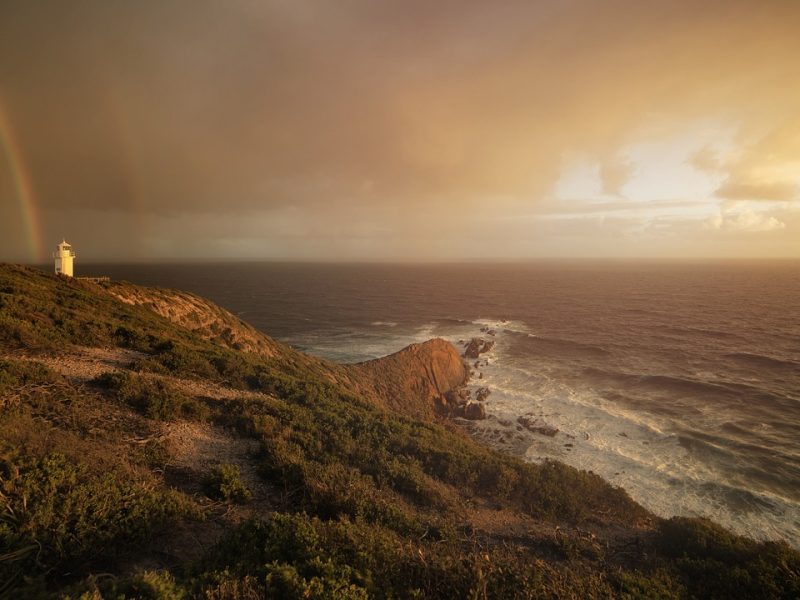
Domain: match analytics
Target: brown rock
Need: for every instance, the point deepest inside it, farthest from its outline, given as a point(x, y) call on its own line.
point(473, 348)
point(477, 346)
point(474, 411)
point(410, 381)
point(534, 426)
point(456, 397)
point(482, 394)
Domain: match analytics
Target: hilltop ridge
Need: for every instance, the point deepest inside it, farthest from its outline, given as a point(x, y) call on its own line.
point(198, 315)
point(152, 445)
point(412, 381)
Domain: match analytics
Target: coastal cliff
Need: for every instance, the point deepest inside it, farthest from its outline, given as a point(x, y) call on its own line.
point(154, 446)
point(416, 380)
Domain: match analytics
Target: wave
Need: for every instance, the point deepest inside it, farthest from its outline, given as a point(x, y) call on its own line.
point(700, 331)
point(504, 325)
point(559, 347)
point(731, 391)
point(651, 453)
point(761, 361)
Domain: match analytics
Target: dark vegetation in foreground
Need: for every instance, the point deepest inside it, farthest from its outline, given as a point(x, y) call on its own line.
point(363, 502)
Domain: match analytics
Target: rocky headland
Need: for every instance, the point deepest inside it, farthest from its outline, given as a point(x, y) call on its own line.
point(153, 445)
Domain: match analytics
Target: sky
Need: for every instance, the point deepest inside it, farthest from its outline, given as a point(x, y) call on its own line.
point(399, 130)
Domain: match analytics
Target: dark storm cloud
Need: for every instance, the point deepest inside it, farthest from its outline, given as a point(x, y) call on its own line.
point(173, 108)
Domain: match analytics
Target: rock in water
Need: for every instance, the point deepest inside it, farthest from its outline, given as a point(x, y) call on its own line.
point(477, 346)
point(474, 411)
point(473, 348)
point(534, 426)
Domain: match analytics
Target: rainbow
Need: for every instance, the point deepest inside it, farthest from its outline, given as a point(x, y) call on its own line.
point(23, 189)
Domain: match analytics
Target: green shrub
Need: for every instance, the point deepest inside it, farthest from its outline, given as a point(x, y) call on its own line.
point(129, 337)
point(148, 585)
point(224, 482)
point(154, 398)
point(14, 373)
point(55, 513)
point(645, 586)
point(332, 583)
point(178, 359)
point(715, 563)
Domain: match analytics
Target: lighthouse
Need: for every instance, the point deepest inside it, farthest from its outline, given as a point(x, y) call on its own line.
point(63, 258)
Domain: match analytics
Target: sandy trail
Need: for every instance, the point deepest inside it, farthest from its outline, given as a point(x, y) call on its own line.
point(193, 446)
point(84, 364)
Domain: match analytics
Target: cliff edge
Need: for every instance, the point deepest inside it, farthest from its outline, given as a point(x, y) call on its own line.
point(198, 315)
point(415, 380)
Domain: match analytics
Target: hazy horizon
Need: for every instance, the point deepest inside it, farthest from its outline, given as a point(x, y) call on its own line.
point(400, 132)
point(433, 261)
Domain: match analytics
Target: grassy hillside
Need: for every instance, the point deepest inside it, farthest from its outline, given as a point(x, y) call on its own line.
point(142, 459)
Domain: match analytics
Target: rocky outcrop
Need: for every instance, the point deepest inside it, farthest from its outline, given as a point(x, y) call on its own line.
point(482, 394)
point(535, 426)
point(477, 346)
point(420, 380)
point(474, 411)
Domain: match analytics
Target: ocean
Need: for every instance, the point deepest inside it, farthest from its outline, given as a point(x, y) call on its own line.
point(678, 382)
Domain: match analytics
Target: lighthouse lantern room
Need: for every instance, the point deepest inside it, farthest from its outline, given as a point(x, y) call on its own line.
point(63, 257)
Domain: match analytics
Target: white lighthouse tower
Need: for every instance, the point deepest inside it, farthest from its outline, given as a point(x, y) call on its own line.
point(63, 257)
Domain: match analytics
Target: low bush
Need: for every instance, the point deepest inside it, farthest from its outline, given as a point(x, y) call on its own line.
point(224, 482)
point(15, 373)
point(179, 359)
point(153, 398)
point(55, 515)
point(715, 563)
point(147, 585)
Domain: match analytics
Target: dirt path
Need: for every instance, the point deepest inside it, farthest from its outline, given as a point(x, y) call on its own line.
point(84, 364)
point(195, 448)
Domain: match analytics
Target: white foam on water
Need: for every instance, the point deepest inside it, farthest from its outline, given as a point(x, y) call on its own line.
point(499, 325)
point(630, 448)
point(347, 346)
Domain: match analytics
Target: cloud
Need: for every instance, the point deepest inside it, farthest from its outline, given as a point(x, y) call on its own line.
point(158, 110)
point(767, 169)
point(615, 173)
point(706, 159)
point(746, 221)
point(746, 187)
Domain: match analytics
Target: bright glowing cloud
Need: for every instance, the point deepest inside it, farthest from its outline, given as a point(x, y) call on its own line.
point(746, 221)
